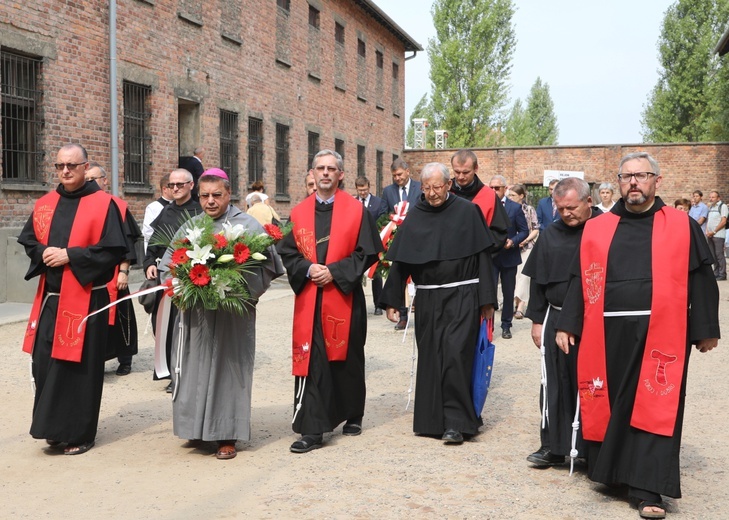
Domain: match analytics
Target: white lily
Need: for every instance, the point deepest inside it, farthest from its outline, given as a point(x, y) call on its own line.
point(221, 287)
point(194, 234)
point(232, 232)
point(224, 259)
point(200, 255)
point(176, 286)
point(258, 256)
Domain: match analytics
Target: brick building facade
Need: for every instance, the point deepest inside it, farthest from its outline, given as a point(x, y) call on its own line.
point(260, 85)
point(685, 166)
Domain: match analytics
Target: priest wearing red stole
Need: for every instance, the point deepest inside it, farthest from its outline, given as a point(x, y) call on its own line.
point(333, 242)
point(642, 292)
point(74, 238)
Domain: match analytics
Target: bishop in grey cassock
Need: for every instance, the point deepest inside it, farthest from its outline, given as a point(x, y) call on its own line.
point(212, 400)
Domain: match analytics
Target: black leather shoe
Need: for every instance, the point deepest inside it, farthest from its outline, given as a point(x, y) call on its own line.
point(452, 437)
point(352, 429)
point(170, 388)
point(378, 312)
point(124, 369)
point(543, 458)
point(401, 325)
point(307, 443)
point(506, 333)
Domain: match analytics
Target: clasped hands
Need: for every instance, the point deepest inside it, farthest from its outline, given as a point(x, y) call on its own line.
point(55, 257)
point(320, 275)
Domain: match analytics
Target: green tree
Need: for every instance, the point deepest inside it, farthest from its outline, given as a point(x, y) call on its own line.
point(470, 62)
point(540, 115)
point(517, 131)
point(422, 110)
point(681, 106)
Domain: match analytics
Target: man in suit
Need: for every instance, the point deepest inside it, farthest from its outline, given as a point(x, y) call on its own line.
point(194, 165)
point(377, 207)
point(402, 188)
point(506, 260)
point(546, 209)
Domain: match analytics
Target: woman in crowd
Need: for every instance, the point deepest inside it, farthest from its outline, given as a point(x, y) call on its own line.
point(606, 197)
point(518, 194)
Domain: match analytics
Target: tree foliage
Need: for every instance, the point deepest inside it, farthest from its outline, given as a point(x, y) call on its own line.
point(535, 125)
point(685, 104)
point(470, 62)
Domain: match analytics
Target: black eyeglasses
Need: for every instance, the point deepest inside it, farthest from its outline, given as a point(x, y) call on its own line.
point(178, 185)
point(624, 178)
point(71, 166)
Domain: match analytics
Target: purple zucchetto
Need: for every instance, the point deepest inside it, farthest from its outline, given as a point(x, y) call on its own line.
point(215, 172)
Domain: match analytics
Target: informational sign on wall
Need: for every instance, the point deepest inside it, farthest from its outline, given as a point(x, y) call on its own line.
point(559, 175)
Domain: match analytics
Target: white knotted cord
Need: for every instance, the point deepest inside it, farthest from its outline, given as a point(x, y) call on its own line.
point(575, 428)
point(413, 356)
point(543, 350)
point(299, 396)
point(32, 379)
point(178, 365)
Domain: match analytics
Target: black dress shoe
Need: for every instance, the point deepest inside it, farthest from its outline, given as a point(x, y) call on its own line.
point(307, 443)
point(352, 429)
point(124, 369)
point(506, 333)
point(543, 458)
point(378, 312)
point(170, 388)
point(452, 437)
point(401, 324)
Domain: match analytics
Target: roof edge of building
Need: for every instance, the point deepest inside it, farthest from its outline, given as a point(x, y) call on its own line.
point(383, 19)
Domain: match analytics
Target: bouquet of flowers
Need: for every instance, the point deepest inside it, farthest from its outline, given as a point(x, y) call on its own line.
point(208, 269)
point(387, 224)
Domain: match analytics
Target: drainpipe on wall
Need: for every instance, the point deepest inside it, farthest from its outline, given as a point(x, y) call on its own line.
point(113, 101)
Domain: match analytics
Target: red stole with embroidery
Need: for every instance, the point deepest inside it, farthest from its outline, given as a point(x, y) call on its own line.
point(486, 200)
point(336, 307)
point(74, 301)
point(664, 357)
point(111, 286)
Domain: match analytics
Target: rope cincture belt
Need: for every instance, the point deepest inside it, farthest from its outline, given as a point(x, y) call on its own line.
point(448, 285)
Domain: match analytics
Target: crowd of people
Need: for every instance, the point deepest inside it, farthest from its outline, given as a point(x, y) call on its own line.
point(605, 305)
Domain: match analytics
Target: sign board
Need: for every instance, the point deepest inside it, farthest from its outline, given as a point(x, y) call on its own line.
point(559, 175)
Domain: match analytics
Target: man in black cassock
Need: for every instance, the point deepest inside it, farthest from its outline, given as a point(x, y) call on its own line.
point(324, 263)
point(626, 305)
point(548, 267)
point(60, 240)
point(445, 245)
point(171, 218)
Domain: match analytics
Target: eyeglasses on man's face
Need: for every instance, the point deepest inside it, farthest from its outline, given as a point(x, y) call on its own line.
point(330, 169)
point(624, 178)
point(178, 185)
point(71, 166)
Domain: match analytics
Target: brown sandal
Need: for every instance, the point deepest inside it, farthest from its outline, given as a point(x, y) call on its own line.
point(226, 450)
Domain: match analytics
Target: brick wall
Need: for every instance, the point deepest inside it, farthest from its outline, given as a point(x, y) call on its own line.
point(685, 167)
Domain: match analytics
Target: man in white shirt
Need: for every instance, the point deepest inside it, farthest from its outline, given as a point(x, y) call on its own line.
point(716, 232)
point(155, 208)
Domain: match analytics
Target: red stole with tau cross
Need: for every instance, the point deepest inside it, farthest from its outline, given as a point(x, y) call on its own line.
point(336, 307)
point(664, 356)
point(73, 304)
point(486, 200)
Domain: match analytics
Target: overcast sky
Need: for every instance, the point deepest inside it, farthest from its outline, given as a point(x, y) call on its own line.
point(600, 60)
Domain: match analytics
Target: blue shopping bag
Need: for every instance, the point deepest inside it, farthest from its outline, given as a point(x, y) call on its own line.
point(482, 364)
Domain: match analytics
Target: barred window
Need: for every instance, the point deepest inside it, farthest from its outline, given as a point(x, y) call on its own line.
point(255, 150)
point(395, 71)
point(361, 48)
point(361, 161)
point(313, 17)
point(338, 33)
point(284, 4)
point(136, 135)
point(282, 160)
point(229, 147)
point(378, 175)
point(20, 78)
point(313, 147)
point(339, 147)
point(379, 59)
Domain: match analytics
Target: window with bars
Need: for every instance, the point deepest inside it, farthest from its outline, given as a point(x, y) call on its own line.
point(313, 147)
point(379, 59)
point(229, 147)
point(20, 85)
point(395, 71)
point(313, 17)
point(361, 161)
point(361, 48)
point(380, 157)
point(339, 147)
point(255, 150)
point(136, 138)
point(284, 4)
point(339, 33)
point(282, 160)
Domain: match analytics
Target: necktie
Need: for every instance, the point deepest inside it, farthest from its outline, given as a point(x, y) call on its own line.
point(364, 202)
point(404, 194)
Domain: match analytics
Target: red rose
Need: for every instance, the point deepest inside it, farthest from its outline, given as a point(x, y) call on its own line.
point(179, 257)
point(241, 253)
point(273, 231)
point(200, 275)
point(220, 241)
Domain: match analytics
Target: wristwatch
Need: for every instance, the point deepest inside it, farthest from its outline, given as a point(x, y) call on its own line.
point(125, 271)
